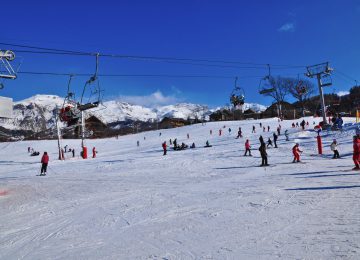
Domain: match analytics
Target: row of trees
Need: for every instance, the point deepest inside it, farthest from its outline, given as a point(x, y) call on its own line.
point(279, 88)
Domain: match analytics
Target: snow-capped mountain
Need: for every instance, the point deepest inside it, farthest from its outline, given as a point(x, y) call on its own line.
point(37, 113)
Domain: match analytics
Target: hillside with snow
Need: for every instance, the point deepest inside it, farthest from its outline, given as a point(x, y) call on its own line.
point(38, 113)
point(131, 202)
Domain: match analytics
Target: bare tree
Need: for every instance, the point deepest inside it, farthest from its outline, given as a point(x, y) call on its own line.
point(278, 89)
point(301, 89)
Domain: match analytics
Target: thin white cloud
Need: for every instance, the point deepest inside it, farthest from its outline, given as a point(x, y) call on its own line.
point(287, 27)
point(155, 99)
point(343, 93)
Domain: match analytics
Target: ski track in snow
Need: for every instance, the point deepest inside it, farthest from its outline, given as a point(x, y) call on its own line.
point(204, 203)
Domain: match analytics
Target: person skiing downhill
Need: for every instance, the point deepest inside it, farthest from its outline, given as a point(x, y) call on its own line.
point(44, 163)
point(269, 142)
point(356, 152)
point(239, 133)
point(333, 148)
point(296, 152)
point(247, 148)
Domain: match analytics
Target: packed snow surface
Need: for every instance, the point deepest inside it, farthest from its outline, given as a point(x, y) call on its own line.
point(205, 203)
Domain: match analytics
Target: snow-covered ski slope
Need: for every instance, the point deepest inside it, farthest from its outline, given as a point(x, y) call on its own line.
point(205, 203)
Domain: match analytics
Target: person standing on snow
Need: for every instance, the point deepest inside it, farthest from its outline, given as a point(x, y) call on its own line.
point(296, 152)
point(275, 139)
point(44, 163)
point(263, 128)
point(356, 153)
point(278, 130)
point(94, 152)
point(229, 131)
point(287, 135)
point(164, 147)
point(247, 148)
point(261, 139)
point(262, 149)
point(333, 147)
point(268, 128)
point(220, 132)
point(269, 142)
point(73, 152)
point(253, 129)
point(303, 124)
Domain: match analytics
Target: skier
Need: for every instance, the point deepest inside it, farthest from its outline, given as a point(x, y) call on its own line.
point(278, 130)
point(220, 132)
point(268, 128)
point(73, 152)
point(188, 136)
point(94, 152)
point(247, 148)
point(175, 142)
point(29, 149)
point(253, 129)
point(263, 128)
point(275, 139)
point(65, 147)
point(269, 142)
point(297, 124)
point(229, 131)
point(164, 147)
point(138, 143)
point(287, 135)
point(356, 153)
point(262, 149)
point(192, 145)
point(293, 125)
point(303, 124)
point(261, 139)
point(44, 163)
point(260, 124)
point(210, 132)
point(333, 148)
point(208, 144)
point(239, 133)
point(160, 134)
point(296, 152)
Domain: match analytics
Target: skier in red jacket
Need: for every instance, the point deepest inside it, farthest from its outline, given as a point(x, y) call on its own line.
point(247, 148)
point(44, 163)
point(356, 153)
point(296, 152)
point(164, 147)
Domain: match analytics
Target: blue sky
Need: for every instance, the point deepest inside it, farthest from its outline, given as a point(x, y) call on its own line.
point(275, 32)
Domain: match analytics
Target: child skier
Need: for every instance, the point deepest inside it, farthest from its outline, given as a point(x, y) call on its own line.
point(247, 148)
point(287, 135)
point(44, 163)
point(333, 148)
point(269, 142)
point(296, 152)
point(164, 147)
point(253, 129)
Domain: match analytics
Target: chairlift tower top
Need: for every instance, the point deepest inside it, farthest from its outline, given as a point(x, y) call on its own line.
point(320, 71)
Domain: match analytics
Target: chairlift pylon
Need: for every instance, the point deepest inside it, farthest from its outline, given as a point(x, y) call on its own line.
point(6, 70)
